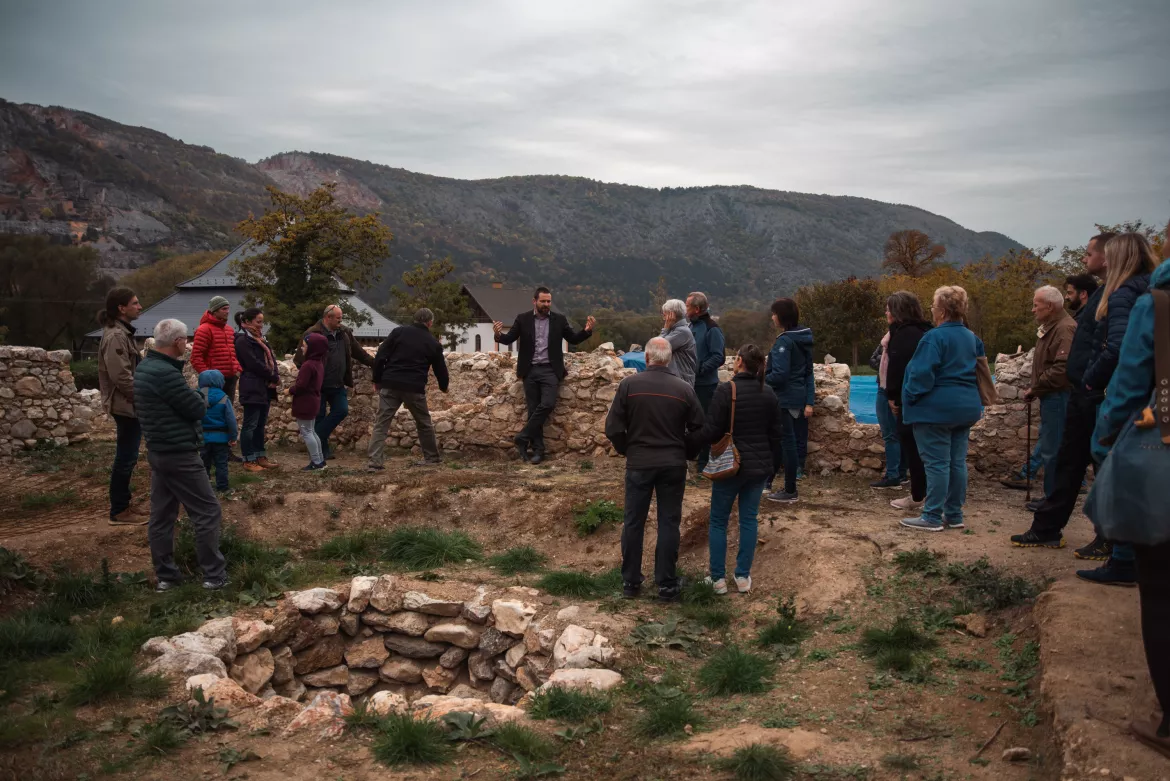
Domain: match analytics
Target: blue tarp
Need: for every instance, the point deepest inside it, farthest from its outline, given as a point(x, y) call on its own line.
point(634, 361)
point(863, 398)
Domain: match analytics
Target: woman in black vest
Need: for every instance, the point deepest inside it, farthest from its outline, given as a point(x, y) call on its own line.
point(259, 380)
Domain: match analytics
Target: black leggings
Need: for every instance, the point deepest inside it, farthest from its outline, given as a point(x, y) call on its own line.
point(912, 460)
point(1153, 574)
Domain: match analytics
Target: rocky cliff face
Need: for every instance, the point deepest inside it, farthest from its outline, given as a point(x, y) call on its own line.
point(131, 191)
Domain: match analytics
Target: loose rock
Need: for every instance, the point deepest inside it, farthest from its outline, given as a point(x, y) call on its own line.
point(403, 622)
point(453, 657)
point(494, 642)
point(512, 617)
point(326, 714)
point(515, 654)
point(413, 647)
point(438, 678)
point(315, 600)
point(327, 652)
point(222, 629)
point(973, 623)
point(360, 682)
point(368, 653)
point(583, 680)
point(501, 690)
point(253, 671)
point(477, 614)
point(360, 589)
point(385, 595)
point(456, 634)
point(420, 602)
point(250, 635)
point(401, 670)
point(349, 624)
point(195, 643)
point(1017, 754)
point(282, 664)
point(226, 693)
point(186, 664)
point(385, 703)
point(333, 676)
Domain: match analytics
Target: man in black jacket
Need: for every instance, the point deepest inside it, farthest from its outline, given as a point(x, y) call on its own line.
point(540, 364)
point(400, 374)
point(648, 422)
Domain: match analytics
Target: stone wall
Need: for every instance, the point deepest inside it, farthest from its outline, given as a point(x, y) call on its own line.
point(38, 401)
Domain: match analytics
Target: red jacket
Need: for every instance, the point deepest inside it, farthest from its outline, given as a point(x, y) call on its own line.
point(214, 347)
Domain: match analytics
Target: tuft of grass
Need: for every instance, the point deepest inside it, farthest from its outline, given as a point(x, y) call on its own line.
point(113, 677)
point(699, 593)
point(733, 670)
point(365, 544)
point(989, 588)
point(161, 738)
point(901, 762)
point(711, 617)
point(46, 500)
point(921, 560)
point(404, 740)
point(522, 742)
point(592, 515)
point(897, 648)
point(580, 585)
point(239, 479)
point(568, 705)
point(668, 712)
point(760, 762)
point(412, 547)
point(786, 630)
point(516, 560)
point(362, 718)
point(31, 634)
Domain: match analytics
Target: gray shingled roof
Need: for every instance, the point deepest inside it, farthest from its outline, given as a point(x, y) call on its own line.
point(501, 303)
point(190, 299)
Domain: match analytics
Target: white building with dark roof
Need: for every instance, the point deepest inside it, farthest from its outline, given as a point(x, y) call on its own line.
point(489, 303)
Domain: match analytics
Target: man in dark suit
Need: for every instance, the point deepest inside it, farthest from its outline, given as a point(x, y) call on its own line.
point(540, 364)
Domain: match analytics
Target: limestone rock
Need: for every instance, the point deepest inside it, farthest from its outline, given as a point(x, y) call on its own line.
point(252, 671)
point(360, 682)
point(293, 690)
point(195, 643)
point(282, 664)
point(401, 670)
point(360, 589)
point(327, 652)
point(332, 676)
point(403, 622)
point(572, 639)
point(476, 614)
point(438, 678)
point(202, 681)
point(420, 602)
point(456, 634)
point(324, 715)
point(348, 623)
point(316, 600)
point(437, 706)
point(973, 623)
point(385, 596)
point(285, 619)
point(512, 616)
point(515, 654)
point(527, 680)
point(1017, 754)
point(588, 657)
point(569, 613)
point(413, 647)
point(584, 680)
point(385, 703)
point(222, 629)
point(453, 657)
point(157, 646)
point(502, 669)
point(226, 693)
point(540, 640)
point(479, 667)
point(494, 642)
point(310, 630)
point(186, 664)
point(833, 403)
point(250, 635)
point(275, 712)
point(368, 653)
point(501, 690)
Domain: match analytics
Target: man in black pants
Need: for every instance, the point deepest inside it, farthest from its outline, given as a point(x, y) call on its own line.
point(1075, 454)
point(647, 423)
point(540, 364)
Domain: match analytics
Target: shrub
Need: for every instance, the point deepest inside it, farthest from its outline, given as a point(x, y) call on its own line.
point(85, 374)
point(699, 593)
point(403, 740)
point(516, 560)
point(896, 648)
point(786, 630)
point(567, 705)
point(735, 671)
point(161, 737)
point(113, 677)
point(591, 516)
point(760, 762)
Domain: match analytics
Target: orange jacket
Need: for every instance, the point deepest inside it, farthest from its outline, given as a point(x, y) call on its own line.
point(214, 347)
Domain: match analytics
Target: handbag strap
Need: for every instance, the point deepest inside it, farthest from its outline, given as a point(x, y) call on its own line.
point(1162, 361)
point(731, 428)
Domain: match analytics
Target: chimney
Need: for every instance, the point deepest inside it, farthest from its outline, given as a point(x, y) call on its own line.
point(497, 286)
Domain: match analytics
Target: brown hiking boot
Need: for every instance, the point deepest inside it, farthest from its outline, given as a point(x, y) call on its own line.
point(252, 466)
point(264, 462)
point(129, 517)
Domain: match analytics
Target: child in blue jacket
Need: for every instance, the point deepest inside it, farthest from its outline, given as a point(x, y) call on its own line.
point(219, 427)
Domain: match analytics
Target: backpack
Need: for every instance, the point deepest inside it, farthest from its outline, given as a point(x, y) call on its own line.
point(724, 461)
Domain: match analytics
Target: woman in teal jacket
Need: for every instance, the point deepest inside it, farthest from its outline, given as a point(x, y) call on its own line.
point(940, 398)
point(790, 376)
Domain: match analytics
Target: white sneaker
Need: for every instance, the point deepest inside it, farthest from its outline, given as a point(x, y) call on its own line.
point(744, 584)
point(907, 503)
point(720, 585)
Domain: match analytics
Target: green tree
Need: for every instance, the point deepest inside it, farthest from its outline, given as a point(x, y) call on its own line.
point(312, 245)
point(747, 326)
point(155, 282)
point(911, 252)
point(428, 286)
point(1072, 259)
point(50, 292)
point(843, 315)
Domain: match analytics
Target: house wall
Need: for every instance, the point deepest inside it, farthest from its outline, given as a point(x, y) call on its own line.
point(487, 341)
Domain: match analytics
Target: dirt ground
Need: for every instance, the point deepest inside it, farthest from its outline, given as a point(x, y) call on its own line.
point(833, 552)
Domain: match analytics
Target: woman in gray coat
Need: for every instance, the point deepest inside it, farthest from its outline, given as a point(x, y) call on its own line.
point(676, 329)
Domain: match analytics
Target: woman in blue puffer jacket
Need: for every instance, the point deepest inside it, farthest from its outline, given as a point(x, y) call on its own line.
point(790, 376)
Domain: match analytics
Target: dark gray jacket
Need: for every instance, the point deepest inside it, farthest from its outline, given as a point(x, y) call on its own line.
point(649, 419)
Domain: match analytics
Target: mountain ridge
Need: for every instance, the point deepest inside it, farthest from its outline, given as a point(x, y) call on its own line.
point(133, 191)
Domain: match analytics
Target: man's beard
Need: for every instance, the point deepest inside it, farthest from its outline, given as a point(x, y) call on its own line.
point(1074, 305)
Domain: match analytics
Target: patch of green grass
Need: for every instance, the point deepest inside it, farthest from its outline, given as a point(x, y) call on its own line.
point(921, 560)
point(759, 762)
point(592, 515)
point(989, 588)
point(160, 738)
point(586, 465)
point(20, 730)
point(522, 742)
point(820, 655)
point(516, 560)
point(580, 585)
point(960, 663)
point(700, 593)
point(241, 479)
point(897, 647)
point(901, 761)
point(732, 670)
point(568, 705)
point(403, 740)
point(113, 677)
point(30, 635)
point(668, 711)
point(786, 631)
point(46, 500)
point(710, 616)
point(411, 547)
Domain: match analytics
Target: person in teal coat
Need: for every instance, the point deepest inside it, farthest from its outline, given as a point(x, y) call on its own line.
point(940, 398)
point(790, 376)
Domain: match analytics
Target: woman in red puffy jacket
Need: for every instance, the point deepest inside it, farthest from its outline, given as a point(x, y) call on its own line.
point(214, 346)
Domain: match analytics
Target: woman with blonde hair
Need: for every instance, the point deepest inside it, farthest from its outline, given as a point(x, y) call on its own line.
point(940, 399)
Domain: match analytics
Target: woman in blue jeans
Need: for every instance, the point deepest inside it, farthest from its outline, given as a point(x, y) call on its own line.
point(756, 434)
point(259, 379)
point(940, 399)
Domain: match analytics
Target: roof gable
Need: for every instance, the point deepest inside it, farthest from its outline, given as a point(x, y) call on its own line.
point(499, 303)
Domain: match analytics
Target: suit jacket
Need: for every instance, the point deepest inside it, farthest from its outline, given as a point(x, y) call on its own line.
point(524, 329)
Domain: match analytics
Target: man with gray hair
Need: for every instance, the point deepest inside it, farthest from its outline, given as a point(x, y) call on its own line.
point(648, 423)
point(684, 358)
point(171, 415)
point(400, 375)
point(1049, 379)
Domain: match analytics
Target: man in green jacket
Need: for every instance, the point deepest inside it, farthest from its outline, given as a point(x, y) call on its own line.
point(171, 415)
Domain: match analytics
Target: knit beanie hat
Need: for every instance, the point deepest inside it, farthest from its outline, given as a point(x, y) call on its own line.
point(217, 303)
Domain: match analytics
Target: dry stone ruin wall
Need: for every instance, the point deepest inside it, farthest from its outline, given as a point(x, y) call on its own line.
point(485, 408)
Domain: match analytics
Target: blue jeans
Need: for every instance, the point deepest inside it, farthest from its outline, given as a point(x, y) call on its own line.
point(786, 458)
point(252, 432)
point(723, 493)
point(216, 454)
point(125, 457)
point(1053, 408)
point(944, 455)
point(889, 427)
point(338, 403)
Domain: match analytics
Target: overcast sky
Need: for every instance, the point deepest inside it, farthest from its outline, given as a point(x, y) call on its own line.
point(1035, 118)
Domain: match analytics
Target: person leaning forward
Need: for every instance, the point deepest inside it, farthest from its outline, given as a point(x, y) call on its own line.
point(648, 422)
point(540, 365)
point(171, 414)
point(400, 374)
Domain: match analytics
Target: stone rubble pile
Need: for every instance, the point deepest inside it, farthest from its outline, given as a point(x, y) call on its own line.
point(390, 648)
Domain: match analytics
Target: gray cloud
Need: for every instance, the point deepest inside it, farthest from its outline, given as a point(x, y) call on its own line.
point(1034, 119)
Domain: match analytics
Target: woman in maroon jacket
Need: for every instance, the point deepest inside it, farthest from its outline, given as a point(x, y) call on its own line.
point(306, 394)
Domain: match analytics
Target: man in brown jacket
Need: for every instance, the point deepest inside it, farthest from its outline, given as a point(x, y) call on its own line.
point(344, 349)
point(117, 359)
point(1049, 379)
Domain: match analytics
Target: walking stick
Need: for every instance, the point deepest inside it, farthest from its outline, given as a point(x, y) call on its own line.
point(1028, 454)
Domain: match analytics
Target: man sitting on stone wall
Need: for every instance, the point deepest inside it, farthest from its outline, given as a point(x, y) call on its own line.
point(647, 423)
point(400, 374)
